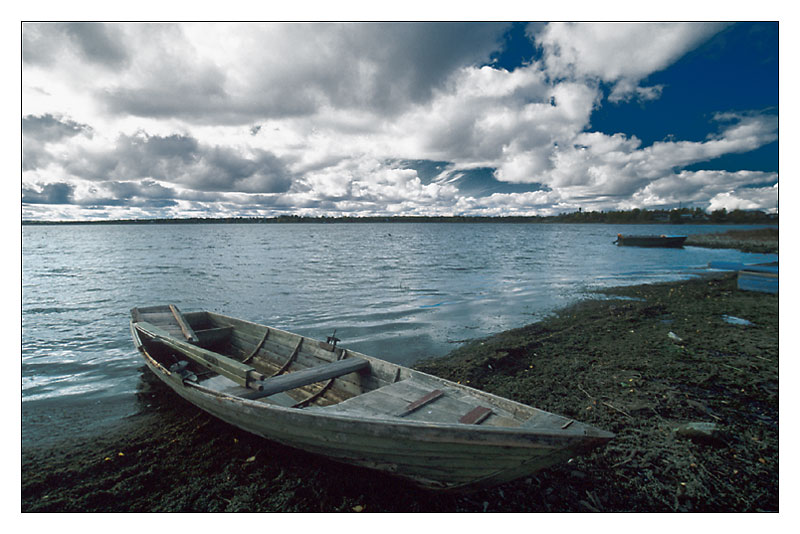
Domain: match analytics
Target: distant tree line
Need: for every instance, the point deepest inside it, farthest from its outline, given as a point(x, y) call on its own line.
point(674, 216)
point(634, 216)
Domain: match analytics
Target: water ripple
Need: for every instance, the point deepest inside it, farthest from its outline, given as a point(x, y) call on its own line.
point(401, 291)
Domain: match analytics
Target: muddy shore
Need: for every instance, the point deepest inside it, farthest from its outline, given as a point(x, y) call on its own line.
point(640, 364)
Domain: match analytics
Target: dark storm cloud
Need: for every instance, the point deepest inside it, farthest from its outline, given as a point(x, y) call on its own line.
point(94, 42)
point(98, 42)
point(182, 160)
point(37, 131)
point(155, 148)
point(145, 194)
point(297, 69)
point(47, 128)
point(224, 169)
point(58, 193)
point(144, 189)
point(397, 63)
point(174, 92)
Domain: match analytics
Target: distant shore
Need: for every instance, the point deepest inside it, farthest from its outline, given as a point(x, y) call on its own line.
point(580, 217)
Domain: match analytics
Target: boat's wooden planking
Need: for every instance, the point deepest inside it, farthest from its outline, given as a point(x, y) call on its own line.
point(430, 455)
point(213, 336)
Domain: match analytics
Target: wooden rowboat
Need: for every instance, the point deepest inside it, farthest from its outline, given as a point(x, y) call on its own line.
point(668, 241)
point(351, 407)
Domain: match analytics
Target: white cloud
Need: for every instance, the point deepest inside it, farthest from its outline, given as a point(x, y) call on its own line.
point(318, 118)
point(708, 188)
point(763, 198)
point(618, 53)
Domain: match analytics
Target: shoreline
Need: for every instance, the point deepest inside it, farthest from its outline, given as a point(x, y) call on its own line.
point(658, 217)
point(609, 363)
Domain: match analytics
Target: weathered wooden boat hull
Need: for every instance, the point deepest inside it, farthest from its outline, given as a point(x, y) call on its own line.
point(436, 455)
point(664, 241)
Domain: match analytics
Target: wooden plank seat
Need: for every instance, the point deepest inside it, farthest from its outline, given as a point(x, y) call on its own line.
point(210, 336)
point(305, 377)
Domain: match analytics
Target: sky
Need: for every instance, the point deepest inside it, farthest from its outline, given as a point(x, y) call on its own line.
point(163, 120)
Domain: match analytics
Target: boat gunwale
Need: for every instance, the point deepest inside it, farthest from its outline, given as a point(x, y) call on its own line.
point(571, 431)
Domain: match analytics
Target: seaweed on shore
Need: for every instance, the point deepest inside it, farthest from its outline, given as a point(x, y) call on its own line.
point(643, 367)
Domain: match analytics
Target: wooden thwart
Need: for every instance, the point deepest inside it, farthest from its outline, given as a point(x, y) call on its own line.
point(476, 416)
point(213, 335)
point(304, 377)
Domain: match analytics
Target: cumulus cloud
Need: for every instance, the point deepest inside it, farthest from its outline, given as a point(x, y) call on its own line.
point(58, 193)
point(144, 189)
point(47, 128)
point(270, 70)
point(39, 133)
point(325, 118)
point(745, 199)
point(47, 43)
point(704, 187)
point(621, 54)
point(180, 159)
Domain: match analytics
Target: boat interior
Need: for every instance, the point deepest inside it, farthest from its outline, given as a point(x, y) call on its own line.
point(229, 356)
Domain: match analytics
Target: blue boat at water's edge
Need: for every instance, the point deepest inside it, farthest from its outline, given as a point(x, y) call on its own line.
point(761, 277)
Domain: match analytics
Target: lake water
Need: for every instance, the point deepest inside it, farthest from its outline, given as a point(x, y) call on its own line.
point(398, 291)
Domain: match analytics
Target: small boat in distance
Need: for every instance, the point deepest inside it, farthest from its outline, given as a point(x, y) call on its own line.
point(668, 241)
point(351, 407)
